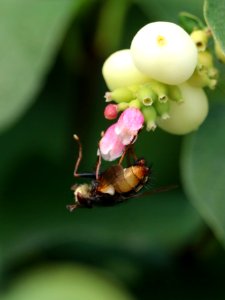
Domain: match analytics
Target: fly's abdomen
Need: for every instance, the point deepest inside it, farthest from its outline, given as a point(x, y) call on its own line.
point(130, 178)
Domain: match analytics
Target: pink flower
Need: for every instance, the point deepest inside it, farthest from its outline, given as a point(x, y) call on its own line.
point(110, 145)
point(110, 111)
point(120, 134)
point(128, 124)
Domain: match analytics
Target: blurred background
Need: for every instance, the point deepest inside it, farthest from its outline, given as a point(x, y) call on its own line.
point(167, 246)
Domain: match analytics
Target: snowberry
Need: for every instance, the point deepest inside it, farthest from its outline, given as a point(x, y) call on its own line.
point(119, 71)
point(188, 115)
point(164, 52)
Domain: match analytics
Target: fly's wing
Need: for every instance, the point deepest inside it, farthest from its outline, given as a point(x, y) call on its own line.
point(154, 191)
point(110, 176)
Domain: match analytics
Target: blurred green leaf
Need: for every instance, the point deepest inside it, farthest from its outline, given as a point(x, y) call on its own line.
point(111, 21)
point(69, 282)
point(203, 170)
point(30, 34)
point(163, 10)
point(164, 221)
point(190, 22)
point(214, 15)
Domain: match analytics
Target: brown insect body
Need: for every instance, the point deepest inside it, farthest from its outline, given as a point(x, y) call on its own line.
point(117, 179)
point(115, 185)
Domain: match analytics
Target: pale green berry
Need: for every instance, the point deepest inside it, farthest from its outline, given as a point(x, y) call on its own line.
point(119, 71)
point(200, 38)
point(205, 73)
point(164, 52)
point(188, 115)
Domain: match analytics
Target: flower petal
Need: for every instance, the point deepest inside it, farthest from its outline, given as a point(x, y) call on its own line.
point(110, 145)
point(128, 124)
point(132, 118)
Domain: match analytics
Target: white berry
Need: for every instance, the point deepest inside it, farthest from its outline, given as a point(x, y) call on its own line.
point(120, 71)
point(187, 115)
point(164, 52)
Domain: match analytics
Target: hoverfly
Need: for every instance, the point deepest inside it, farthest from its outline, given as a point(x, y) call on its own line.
point(113, 186)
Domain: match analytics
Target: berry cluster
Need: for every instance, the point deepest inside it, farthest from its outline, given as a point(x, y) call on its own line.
point(162, 75)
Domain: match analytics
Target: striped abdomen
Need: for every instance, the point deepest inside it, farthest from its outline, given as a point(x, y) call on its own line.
point(117, 179)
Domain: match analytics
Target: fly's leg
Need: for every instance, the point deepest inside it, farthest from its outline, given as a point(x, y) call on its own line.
point(98, 165)
point(129, 151)
point(72, 207)
point(79, 155)
point(79, 158)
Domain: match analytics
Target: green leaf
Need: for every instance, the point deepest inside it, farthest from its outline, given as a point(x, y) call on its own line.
point(30, 35)
point(164, 221)
point(65, 281)
point(214, 16)
point(112, 10)
point(168, 10)
point(190, 22)
point(203, 170)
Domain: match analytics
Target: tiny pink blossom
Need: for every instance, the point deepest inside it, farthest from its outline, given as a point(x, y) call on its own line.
point(128, 124)
point(110, 145)
point(110, 111)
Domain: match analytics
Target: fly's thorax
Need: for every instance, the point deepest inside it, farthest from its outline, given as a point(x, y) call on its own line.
point(83, 191)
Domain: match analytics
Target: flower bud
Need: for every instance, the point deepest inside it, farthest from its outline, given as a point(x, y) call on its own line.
point(175, 93)
point(120, 95)
point(146, 95)
point(205, 73)
point(150, 116)
point(202, 79)
point(119, 71)
point(164, 52)
point(162, 109)
point(160, 89)
point(122, 106)
point(200, 38)
point(205, 59)
point(188, 115)
point(135, 103)
point(110, 111)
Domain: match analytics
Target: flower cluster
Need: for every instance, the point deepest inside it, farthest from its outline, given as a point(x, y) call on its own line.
point(161, 78)
point(121, 134)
